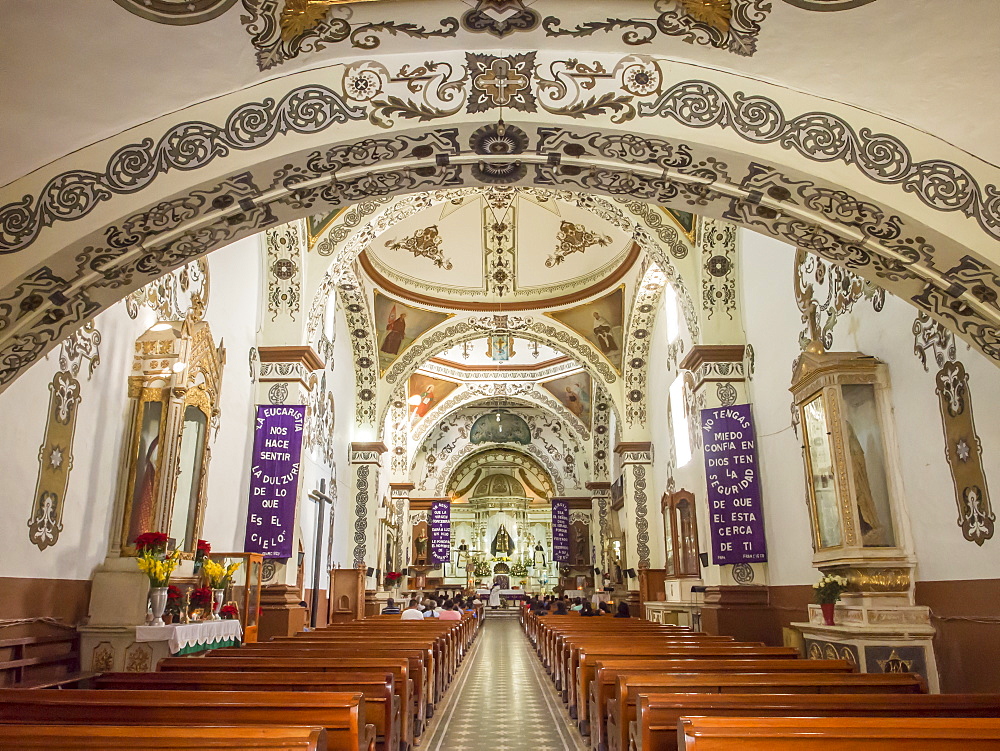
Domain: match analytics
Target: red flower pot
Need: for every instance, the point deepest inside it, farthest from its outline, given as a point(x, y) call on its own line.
point(827, 608)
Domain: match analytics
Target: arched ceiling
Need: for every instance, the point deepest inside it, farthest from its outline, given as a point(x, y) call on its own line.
point(500, 250)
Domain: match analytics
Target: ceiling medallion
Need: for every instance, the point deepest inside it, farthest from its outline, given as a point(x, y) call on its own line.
point(499, 139)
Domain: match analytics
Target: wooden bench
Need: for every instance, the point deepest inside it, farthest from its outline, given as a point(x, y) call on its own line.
point(622, 707)
point(584, 659)
point(606, 673)
point(836, 734)
point(412, 715)
point(382, 703)
point(422, 667)
point(156, 737)
point(41, 661)
point(341, 715)
point(659, 714)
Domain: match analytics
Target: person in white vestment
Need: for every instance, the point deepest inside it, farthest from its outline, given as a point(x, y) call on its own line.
point(495, 596)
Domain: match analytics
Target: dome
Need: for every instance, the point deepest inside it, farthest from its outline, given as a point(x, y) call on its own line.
point(498, 486)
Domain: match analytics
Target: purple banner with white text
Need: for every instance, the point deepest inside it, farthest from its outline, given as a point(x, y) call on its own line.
point(560, 531)
point(274, 479)
point(734, 504)
point(440, 531)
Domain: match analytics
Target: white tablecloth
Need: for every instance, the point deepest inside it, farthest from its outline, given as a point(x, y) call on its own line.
point(503, 592)
point(184, 635)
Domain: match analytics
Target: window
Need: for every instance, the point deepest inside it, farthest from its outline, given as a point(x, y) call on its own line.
point(679, 422)
point(673, 317)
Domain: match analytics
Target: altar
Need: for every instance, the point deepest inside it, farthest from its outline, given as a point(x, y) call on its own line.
point(507, 594)
point(138, 649)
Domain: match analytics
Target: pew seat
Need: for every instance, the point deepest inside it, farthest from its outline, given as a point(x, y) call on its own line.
point(342, 715)
point(838, 733)
point(157, 737)
point(659, 714)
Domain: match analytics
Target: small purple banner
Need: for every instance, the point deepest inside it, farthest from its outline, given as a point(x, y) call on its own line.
point(560, 531)
point(274, 479)
point(441, 531)
point(735, 516)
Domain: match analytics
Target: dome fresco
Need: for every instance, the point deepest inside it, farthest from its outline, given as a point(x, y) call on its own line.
point(498, 486)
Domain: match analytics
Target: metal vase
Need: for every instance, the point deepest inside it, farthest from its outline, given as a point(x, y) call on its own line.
point(217, 595)
point(158, 603)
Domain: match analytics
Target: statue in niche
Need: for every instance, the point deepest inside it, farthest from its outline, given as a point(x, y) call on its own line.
point(538, 556)
point(421, 543)
point(871, 524)
point(580, 549)
point(502, 544)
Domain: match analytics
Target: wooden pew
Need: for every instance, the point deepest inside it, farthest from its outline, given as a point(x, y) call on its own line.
point(584, 659)
point(622, 707)
point(420, 654)
point(412, 717)
point(341, 715)
point(836, 734)
point(382, 703)
point(157, 737)
point(659, 714)
point(606, 673)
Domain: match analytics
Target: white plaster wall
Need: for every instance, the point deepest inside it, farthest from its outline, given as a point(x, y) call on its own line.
point(87, 515)
point(773, 323)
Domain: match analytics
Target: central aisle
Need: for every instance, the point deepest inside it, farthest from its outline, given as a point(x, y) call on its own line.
point(502, 699)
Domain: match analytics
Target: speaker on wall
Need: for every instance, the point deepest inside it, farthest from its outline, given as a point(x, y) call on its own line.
point(405, 572)
point(703, 557)
point(371, 571)
point(630, 573)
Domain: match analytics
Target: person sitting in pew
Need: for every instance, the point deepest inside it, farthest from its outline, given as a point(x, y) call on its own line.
point(449, 613)
point(577, 604)
point(623, 611)
point(561, 608)
point(432, 609)
point(604, 608)
point(391, 608)
point(412, 612)
point(588, 610)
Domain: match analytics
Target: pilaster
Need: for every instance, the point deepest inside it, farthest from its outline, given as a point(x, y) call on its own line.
point(366, 462)
point(636, 459)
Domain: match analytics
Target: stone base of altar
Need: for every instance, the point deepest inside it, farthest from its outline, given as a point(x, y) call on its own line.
point(138, 649)
point(879, 639)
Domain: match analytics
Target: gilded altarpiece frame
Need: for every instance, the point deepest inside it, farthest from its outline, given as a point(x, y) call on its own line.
point(174, 394)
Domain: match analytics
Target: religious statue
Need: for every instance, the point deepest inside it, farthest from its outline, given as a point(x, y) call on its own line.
point(871, 524)
point(538, 557)
point(421, 543)
point(580, 557)
point(502, 544)
point(463, 553)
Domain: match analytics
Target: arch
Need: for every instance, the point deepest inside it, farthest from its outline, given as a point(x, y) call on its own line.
point(470, 450)
point(467, 396)
point(904, 210)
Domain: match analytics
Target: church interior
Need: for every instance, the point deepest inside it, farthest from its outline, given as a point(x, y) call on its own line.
point(313, 312)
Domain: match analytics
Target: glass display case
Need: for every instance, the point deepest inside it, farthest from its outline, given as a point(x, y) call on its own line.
point(843, 409)
point(243, 590)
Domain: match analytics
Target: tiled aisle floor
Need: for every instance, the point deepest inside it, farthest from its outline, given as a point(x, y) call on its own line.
point(502, 699)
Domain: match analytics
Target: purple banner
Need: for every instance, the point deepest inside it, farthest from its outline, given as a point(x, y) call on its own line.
point(440, 532)
point(274, 479)
point(735, 516)
point(560, 531)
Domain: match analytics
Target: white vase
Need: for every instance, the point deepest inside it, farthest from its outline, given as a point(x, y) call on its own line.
point(217, 595)
point(158, 603)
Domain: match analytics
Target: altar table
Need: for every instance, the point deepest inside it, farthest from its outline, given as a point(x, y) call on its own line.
point(188, 638)
point(507, 594)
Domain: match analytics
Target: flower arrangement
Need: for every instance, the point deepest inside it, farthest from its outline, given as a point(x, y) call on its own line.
point(204, 549)
point(482, 568)
point(229, 612)
point(158, 567)
point(828, 589)
point(174, 598)
point(201, 598)
point(154, 543)
point(219, 576)
point(519, 569)
point(393, 576)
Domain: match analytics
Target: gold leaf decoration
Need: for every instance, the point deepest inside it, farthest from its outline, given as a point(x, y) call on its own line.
point(299, 16)
point(714, 13)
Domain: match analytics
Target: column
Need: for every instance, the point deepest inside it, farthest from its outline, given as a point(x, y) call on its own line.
point(366, 461)
point(636, 458)
point(282, 377)
point(736, 596)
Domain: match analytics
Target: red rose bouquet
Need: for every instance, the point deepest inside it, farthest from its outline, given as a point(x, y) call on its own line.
point(201, 598)
point(153, 543)
point(393, 576)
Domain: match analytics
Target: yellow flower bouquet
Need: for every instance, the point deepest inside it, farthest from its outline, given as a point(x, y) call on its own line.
point(158, 568)
point(219, 575)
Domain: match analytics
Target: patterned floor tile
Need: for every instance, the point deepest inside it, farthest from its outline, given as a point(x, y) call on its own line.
point(502, 700)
